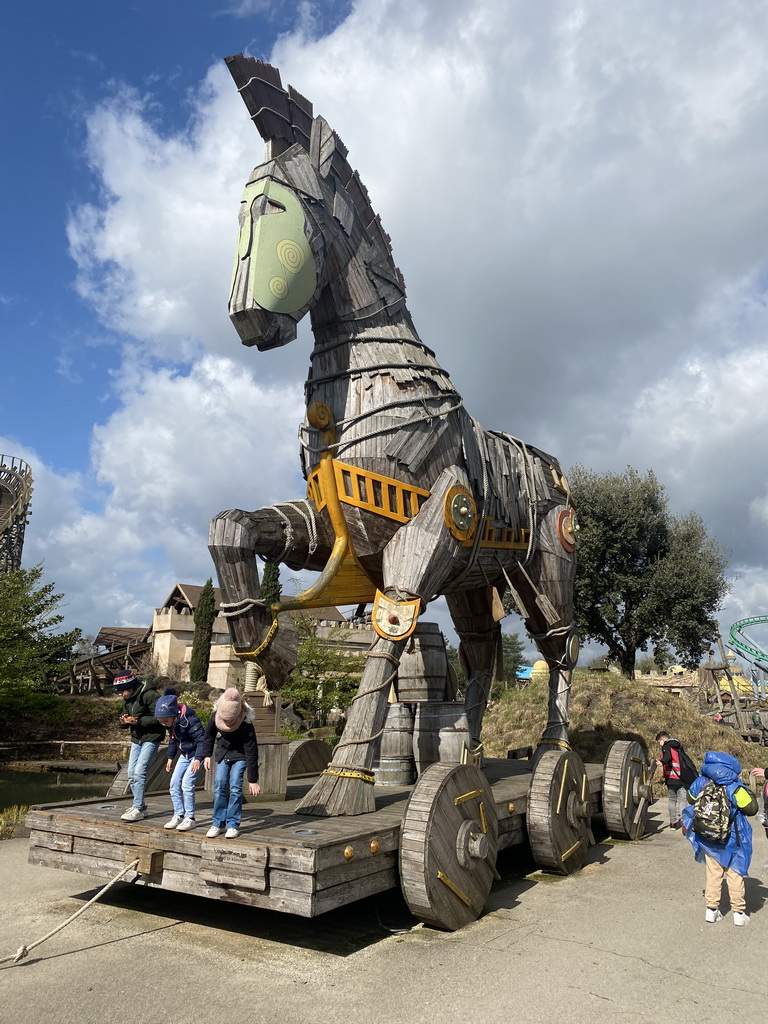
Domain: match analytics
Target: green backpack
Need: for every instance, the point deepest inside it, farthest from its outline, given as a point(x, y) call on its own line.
point(712, 813)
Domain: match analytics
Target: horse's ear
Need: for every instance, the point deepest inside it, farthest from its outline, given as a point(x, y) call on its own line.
point(322, 145)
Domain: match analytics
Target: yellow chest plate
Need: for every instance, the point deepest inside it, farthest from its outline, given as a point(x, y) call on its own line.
point(371, 491)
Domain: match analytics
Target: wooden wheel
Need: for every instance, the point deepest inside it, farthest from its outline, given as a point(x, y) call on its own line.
point(558, 812)
point(448, 845)
point(626, 790)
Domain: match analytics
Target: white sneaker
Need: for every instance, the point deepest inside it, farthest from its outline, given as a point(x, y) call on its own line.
point(739, 918)
point(173, 822)
point(232, 833)
point(132, 814)
point(212, 832)
point(713, 916)
point(185, 825)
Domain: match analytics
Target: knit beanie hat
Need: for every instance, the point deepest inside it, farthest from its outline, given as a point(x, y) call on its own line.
point(167, 706)
point(229, 710)
point(125, 681)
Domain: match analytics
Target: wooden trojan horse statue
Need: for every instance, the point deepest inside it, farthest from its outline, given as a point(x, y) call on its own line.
point(408, 497)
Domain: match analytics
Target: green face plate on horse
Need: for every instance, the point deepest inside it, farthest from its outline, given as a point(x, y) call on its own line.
point(283, 276)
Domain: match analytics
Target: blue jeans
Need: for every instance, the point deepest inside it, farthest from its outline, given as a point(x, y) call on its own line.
point(183, 787)
point(228, 807)
point(138, 764)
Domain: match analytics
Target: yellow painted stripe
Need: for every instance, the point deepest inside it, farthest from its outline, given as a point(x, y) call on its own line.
point(483, 822)
point(562, 787)
point(454, 888)
point(568, 853)
point(467, 796)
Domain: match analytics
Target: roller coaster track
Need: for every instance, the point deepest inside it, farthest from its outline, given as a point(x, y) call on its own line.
point(15, 496)
point(746, 645)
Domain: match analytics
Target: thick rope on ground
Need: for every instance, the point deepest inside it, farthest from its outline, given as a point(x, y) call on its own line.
point(24, 951)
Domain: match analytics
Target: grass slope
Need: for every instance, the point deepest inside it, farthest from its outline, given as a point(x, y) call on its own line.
point(606, 707)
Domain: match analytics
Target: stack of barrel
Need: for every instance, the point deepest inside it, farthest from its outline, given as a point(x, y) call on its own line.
point(422, 727)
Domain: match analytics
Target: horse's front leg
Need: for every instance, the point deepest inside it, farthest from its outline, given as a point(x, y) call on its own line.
point(292, 533)
point(415, 564)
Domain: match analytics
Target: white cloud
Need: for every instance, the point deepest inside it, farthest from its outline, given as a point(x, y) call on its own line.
point(183, 447)
point(576, 196)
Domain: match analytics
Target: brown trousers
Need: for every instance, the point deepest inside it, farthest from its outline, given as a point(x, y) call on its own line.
point(714, 885)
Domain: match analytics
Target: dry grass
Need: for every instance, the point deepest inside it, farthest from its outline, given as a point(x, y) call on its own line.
point(9, 817)
point(606, 707)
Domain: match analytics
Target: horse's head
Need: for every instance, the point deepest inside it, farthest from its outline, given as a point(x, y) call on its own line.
point(303, 211)
point(280, 256)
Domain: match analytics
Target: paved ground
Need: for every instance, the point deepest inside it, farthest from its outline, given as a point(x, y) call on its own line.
point(622, 941)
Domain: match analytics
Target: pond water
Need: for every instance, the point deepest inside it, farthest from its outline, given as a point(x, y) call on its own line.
point(50, 787)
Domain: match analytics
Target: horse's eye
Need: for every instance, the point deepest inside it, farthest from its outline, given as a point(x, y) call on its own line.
point(272, 207)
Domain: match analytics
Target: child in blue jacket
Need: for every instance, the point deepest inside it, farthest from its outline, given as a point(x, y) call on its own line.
point(186, 737)
point(728, 860)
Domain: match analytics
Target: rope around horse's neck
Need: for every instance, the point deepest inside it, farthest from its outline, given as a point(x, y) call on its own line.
point(24, 951)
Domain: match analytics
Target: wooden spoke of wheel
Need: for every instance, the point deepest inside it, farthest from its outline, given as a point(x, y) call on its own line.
point(448, 845)
point(558, 812)
point(626, 790)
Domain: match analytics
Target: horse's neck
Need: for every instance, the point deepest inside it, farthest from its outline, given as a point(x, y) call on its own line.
point(365, 348)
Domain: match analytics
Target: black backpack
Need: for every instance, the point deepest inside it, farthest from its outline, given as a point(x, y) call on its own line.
point(688, 770)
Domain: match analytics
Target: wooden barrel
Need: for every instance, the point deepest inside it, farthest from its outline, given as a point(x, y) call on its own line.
point(440, 732)
point(423, 666)
point(396, 766)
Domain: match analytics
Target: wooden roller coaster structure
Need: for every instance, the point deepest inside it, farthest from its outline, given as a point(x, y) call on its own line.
point(15, 498)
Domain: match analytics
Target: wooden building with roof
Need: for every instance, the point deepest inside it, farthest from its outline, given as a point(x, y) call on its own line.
point(173, 631)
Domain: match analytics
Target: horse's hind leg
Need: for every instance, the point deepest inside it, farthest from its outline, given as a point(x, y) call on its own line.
point(290, 533)
point(479, 649)
point(544, 593)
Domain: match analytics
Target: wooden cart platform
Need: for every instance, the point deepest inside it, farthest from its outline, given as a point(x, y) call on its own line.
point(282, 861)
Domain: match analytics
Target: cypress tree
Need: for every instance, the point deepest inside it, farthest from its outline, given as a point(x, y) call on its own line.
point(205, 613)
point(270, 585)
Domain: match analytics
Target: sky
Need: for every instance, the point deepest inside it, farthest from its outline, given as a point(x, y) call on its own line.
point(576, 195)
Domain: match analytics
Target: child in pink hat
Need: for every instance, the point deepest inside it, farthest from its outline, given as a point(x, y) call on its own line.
point(236, 752)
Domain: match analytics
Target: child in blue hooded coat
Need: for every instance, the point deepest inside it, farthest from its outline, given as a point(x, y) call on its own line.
point(729, 860)
point(186, 737)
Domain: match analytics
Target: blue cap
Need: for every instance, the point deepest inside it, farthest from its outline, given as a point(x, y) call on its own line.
point(167, 706)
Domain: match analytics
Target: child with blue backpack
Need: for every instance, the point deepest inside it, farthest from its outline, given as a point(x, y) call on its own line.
point(186, 737)
point(717, 829)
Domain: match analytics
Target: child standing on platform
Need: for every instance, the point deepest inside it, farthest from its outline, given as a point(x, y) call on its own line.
point(186, 737)
point(139, 702)
point(236, 753)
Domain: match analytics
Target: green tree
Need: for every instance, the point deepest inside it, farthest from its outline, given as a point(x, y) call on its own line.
point(29, 647)
point(512, 658)
point(205, 614)
point(270, 584)
point(325, 676)
point(452, 654)
point(644, 577)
